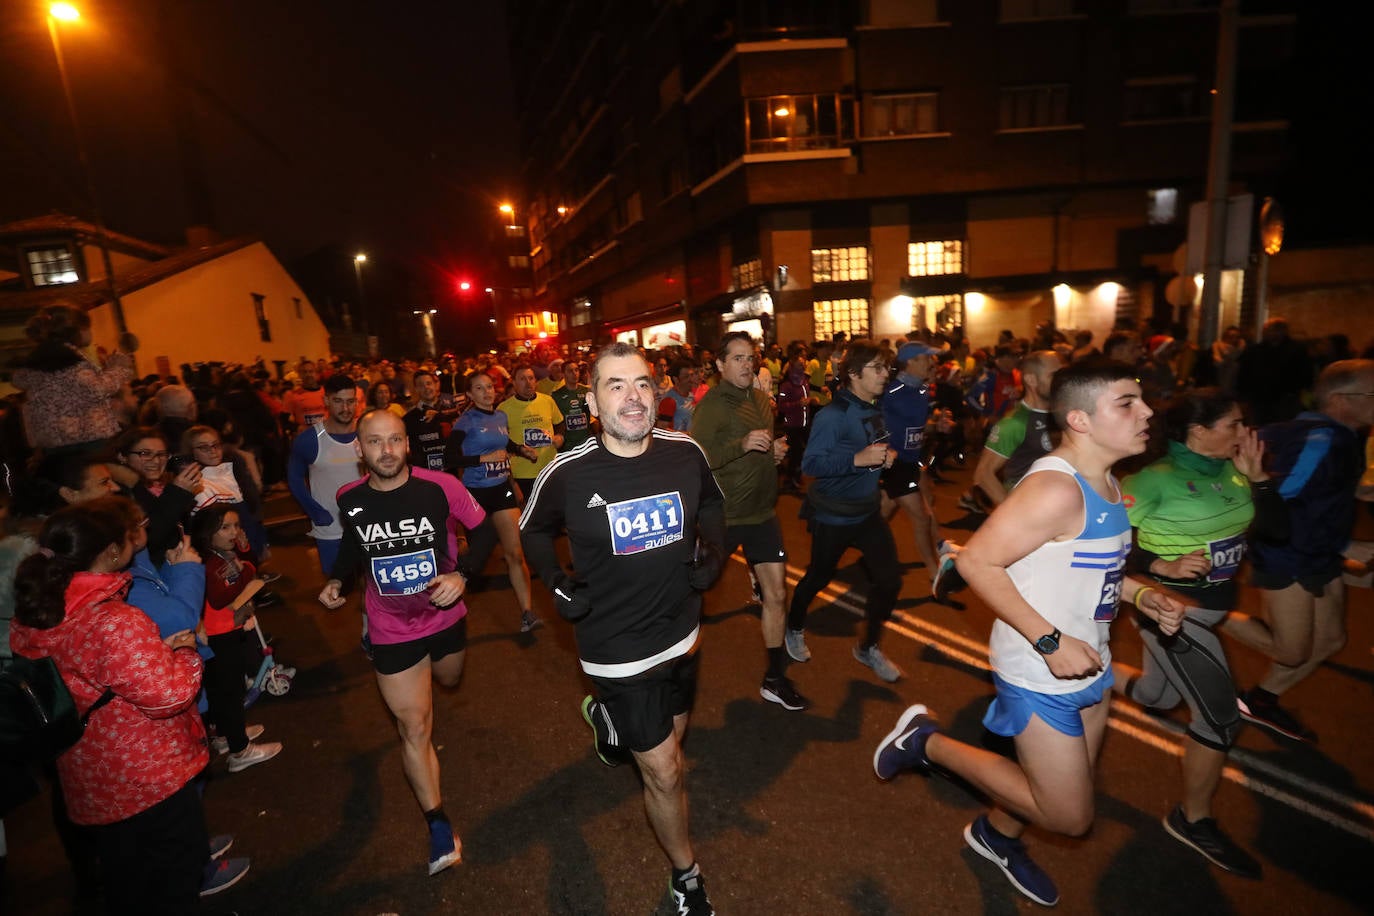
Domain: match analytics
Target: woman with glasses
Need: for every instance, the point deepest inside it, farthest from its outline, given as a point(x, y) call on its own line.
point(167, 499)
point(226, 479)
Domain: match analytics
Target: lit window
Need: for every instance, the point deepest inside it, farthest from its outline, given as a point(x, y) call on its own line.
point(1030, 107)
point(848, 315)
point(788, 123)
point(747, 275)
point(525, 320)
point(938, 313)
point(52, 266)
point(518, 260)
point(901, 115)
point(930, 259)
point(551, 322)
point(515, 232)
point(836, 265)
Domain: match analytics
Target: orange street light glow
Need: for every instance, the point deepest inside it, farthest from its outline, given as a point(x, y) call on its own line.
point(64, 12)
point(782, 112)
point(507, 208)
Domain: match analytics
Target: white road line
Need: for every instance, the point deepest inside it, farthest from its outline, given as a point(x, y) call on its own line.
point(1146, 729)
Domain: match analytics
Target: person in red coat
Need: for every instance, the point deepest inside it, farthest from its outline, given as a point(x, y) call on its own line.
point(129, 778)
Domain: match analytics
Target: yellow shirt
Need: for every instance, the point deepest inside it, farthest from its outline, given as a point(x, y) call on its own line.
point(820, 374)
point(531, 423)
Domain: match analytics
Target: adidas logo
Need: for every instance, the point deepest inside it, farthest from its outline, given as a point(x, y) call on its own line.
point(595, 501)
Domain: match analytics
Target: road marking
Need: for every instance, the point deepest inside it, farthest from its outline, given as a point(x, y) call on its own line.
point(1353, 816)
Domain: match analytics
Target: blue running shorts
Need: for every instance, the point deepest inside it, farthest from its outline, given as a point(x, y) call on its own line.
point(1012, 708)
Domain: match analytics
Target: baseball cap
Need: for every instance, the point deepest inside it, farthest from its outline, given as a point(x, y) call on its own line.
point(914, 349)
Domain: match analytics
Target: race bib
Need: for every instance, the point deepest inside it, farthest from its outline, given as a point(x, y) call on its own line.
point(1111, 595)
point(1226, 554)
point(405, 574)
point(576, 422)
point(496, 468)
point(642, 524)
point(435, 460)
point(537, 438)
point(915, 435)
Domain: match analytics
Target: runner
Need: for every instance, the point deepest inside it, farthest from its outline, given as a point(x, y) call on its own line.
point(402, 529)
point(571, 398)
point(1050, 563)
point(534, 421)
point(1191, 510)
point(645, 522)
point(734, 425)
point(847, 450)
point(428, 421)
point(478, 451)
point(323, 459)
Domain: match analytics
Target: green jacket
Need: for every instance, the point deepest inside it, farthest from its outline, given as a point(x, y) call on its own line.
point(749, 480)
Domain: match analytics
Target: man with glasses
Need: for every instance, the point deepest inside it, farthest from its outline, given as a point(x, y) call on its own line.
point(845, 455)
point(1318, 459)
point(733, 424)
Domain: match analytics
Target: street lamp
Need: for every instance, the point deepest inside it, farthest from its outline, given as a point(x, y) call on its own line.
point(65, 12)
point(359, 260)
point(427, 324)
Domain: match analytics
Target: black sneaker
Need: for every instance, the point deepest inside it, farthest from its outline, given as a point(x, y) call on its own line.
point(780, 690)
point(1269, 714)
point(972, 505)
point(1206, 838)
point(604, 738)
point(689, 896)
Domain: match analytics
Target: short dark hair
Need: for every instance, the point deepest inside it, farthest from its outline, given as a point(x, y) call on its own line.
point(420, 372)
point(338, 382)
point(861, 352)
point(731, 338)
point(617, 350)
point(1077, 387)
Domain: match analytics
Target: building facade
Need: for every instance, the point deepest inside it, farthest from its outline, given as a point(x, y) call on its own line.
point(869, 166)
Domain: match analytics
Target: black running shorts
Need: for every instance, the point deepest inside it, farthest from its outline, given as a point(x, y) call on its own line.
point(642, 707)
point(393, 658)
point(762, 541)
point(496, 499)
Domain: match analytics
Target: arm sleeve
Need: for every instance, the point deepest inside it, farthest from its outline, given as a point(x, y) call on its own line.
point(1315, 448)
point(140, 668)
point(710, 422)
point(346, 565)
point(825, 455)
point(118, 372)
point(711, 511)
point(1271, 522)
point(186, 585)
point(453, 452)
point(304, 450)
point(540, 522)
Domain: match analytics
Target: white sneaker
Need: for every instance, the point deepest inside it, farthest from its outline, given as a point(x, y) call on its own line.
point(220, 745)
point(253, 754)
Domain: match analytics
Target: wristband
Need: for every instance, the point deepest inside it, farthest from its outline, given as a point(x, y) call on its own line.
point(1140, 591)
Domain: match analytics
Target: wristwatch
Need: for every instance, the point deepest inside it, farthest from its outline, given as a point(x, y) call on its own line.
point(1048, 644)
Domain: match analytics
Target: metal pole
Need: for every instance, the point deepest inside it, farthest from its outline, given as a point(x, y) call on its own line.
point(1219, 171)
point(1262, 293)
point(362, 295)
point(93, 199)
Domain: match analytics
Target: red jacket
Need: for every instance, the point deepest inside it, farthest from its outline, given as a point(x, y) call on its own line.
point(147, 742)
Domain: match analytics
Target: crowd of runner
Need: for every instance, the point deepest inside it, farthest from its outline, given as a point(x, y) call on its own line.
point(136, 554)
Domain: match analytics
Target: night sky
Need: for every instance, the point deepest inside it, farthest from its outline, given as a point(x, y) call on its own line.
point(380, 127)
point(389, 128)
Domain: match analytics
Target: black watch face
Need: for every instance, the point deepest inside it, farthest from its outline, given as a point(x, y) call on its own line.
point(1046, 644)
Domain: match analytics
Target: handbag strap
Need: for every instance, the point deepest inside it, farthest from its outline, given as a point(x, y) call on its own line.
point(104, 698)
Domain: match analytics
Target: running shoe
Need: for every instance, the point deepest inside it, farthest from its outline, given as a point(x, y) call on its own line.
point(970, 504)
point(947, 578)
point(220, 745)
point(529, 622)
point(1269, 714)
point(874, 658)
point(220, 844)
point(252, 755)
point(1206, 839)
point(444, 847)
point(780, 690)
point(604, 739)
point(222, 874)
point(689, 896)
point(904, 748)
point(1010, 856)
point(795, 640)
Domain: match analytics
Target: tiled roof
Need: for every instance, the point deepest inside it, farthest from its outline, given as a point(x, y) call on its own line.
point(90, 295)
point(56, 223)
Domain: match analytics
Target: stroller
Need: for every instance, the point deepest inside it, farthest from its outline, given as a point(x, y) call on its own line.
point(272, 677)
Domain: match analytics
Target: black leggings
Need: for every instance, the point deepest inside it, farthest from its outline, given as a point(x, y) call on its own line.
point(224, 689)
point(873, 539)
point(1190, 666)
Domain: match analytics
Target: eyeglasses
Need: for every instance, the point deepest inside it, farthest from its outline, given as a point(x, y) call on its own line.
point(208, 447)
point(146, 453)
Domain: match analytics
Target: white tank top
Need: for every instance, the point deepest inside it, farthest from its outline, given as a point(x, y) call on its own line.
point(1074, 584)
point(336, 463)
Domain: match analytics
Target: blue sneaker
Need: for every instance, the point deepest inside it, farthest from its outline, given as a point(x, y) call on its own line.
point(444, 848)
point(1010, 855)
point(904, 748)
point(222, 874)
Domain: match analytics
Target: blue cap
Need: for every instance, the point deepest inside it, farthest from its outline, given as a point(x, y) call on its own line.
point(914, 349)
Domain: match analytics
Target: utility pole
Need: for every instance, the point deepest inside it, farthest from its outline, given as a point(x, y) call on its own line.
point(1219, 170)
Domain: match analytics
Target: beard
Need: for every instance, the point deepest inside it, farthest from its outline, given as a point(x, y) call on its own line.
point(382, 474)
point(614, 428)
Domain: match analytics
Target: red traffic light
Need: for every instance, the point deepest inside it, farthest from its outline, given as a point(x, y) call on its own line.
point(464, 285)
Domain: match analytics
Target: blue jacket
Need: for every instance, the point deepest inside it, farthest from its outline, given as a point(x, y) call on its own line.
point(906, 408)
point(173, 597)
point(1318, 463)
point(843, 494)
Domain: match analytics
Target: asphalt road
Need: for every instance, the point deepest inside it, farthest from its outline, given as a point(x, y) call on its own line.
point(787, 816)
